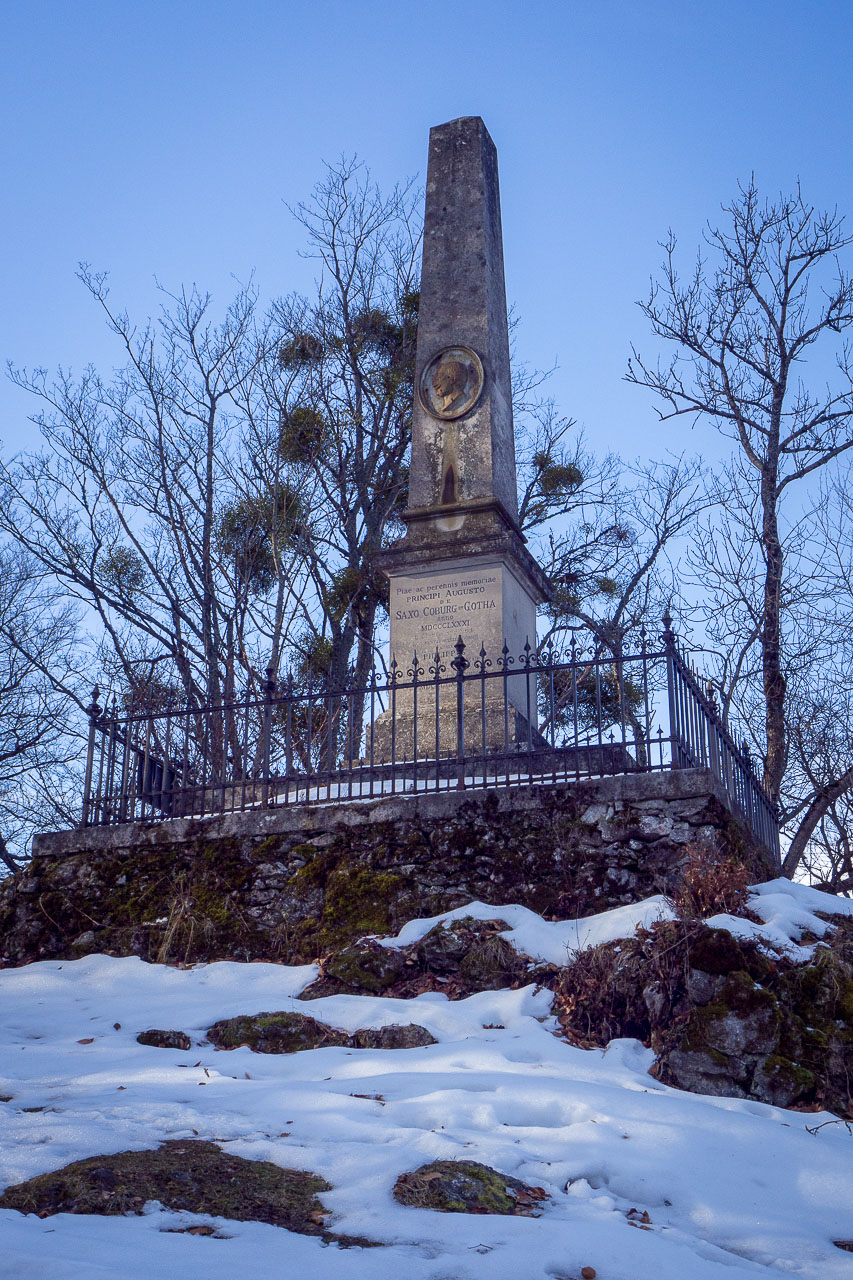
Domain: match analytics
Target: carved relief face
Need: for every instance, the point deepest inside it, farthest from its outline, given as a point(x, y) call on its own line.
point(452, 382)
point(449, 382)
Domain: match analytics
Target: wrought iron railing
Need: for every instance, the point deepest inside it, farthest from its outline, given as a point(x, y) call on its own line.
point(455, 722)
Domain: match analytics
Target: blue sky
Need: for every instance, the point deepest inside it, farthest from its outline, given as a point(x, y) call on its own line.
point(163, 140)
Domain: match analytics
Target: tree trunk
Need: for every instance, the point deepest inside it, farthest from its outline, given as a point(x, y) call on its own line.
point(771, 641)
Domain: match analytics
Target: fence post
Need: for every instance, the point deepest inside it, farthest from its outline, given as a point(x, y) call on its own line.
point(715, 745)
point(269, 694)
point(94, 714)
point(459, 663)
point(288, 731)
point(668, 638)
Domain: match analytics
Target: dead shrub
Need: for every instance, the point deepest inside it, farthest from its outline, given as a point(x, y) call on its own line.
point(630, 988)
point(710, 885)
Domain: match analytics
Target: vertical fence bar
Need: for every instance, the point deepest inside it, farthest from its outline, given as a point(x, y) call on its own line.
point(288, 738)
point(575, 709)
point(552, 713)
point(134, 767)
point(669, 648)
point(372, 754)
point(646, 705)
point(459, 663)
point(599, 722)
point(527, 707)
point(100, 787)
point(105, 813)
point(93, 711)
point(505, 683)
point(393, 674)
point(351, 703)
point(436, 670)
point(266, 731)
point(414, 674)
point(309, 729)
point(125, 772)
point(483, 663)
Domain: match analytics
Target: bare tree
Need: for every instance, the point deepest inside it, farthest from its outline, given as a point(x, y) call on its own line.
point(142, 508)
point(613, 562)
point(819, 789)
point(611, 565)
point(743, 324)
point(217, 506)
point(337, 388)
point(37, 708)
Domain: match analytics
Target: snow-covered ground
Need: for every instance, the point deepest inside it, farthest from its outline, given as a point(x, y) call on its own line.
point(732, 1188)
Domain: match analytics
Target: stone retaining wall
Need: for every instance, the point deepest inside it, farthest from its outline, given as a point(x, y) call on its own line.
point(291, 884)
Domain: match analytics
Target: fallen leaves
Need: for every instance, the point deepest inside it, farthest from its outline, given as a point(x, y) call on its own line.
point(528, 1200)
point(201, 1229)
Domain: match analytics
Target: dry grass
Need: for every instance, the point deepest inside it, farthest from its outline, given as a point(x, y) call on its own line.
point(710, 885)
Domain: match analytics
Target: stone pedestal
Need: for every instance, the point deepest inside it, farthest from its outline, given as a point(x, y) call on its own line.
point(487, 602)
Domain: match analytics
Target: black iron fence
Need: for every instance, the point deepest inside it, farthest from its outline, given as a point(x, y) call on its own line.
point(457, 721)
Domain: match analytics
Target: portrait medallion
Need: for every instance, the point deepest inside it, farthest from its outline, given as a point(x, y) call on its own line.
point(451, 383)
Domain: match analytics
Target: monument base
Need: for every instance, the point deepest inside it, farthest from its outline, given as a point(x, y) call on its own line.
point(493, 730)
point(461, 575)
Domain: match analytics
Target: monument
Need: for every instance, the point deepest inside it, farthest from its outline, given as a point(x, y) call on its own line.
point(462, 568)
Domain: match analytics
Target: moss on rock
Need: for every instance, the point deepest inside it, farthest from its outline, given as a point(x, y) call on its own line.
point(465, 1186)
point(403, 1036)
point(293, 1032)
point(457, 957)
point(194, 1176)
point(360, 900)
point(365, 967)
point(280, 1032)
point(164, 1039)
point(723, 1017)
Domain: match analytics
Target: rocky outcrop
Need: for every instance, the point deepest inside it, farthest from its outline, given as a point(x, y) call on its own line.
point(465, 1186)
point(723, 1017)
point(457, 957)
point(194, 1176)
point(290, 1032)
point(296, 884)
point(158, 1039)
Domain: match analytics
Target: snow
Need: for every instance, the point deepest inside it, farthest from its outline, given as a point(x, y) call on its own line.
point(733, 1188)
point(552, 942)
point(374, 788)
point(787, 911)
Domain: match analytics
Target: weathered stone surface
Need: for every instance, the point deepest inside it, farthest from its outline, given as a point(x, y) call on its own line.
point(164, 1039)
point(462, 568)
point(295, 884)
point(722, 1017)
point(291, 1032)
point(280, 1032)
point(197, 1177)
point(408, 1036)
point(463, 303)
point(365, 968)
point(458, 959)
point(465, 1186)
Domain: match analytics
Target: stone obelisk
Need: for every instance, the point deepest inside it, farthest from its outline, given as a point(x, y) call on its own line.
point(463, 567)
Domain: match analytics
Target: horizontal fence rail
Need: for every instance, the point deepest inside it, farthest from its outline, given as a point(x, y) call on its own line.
point(455, 721)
